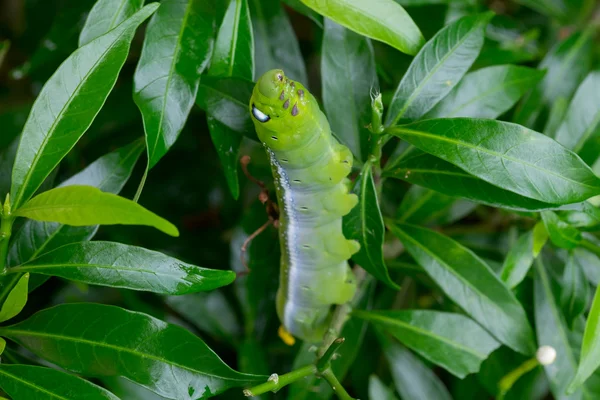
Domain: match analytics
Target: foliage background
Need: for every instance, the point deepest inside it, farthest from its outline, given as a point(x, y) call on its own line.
point(189, 188)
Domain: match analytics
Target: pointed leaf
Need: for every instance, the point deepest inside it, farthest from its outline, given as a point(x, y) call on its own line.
point(86, 205)
point(470, 283)
point(521, 255)
point(561, 234)
point(177, 48)
point(552, 331)
point(434, 173)
point(275, 43)
point(377, 390)
point(487, 93)
point(506, 155)
point(452, 341)
point(101, 340)
point(41, 383)
point(437, 68)
point(105, 16)
point(123, 266)
point(383, 20)
point(575, 291)
point(421, 205)
point(67, 105)
point(348, 77)
point(582, 120)
point(15, 300)
point(413, 379)
point(364, 223)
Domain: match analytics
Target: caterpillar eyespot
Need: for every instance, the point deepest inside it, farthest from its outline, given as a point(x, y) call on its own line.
point(312, 193)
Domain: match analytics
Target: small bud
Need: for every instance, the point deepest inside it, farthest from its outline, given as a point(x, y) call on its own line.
point(248, 393)
point(546, 355)
point(376, 113)
point(274, 378)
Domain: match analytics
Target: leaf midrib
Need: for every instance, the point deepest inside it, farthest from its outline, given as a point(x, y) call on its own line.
point(28, 383)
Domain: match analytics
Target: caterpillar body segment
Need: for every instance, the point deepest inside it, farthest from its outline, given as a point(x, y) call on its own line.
point(310, 169)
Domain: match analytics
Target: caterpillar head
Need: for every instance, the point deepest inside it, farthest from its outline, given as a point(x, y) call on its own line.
point(279, 106)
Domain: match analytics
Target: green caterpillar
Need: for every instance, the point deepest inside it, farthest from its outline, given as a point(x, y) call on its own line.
point(310, 168)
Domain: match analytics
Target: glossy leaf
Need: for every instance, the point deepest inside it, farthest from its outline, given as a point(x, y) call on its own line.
point(15, 300)
point(487, 92)
point(80, 205)
point(123, 266)
point(566, 65)
point(365, 224)
point(101, 340)
point(470, 283)
point(589, 263)
point(552, 331)
point(67, 105)
point(437, 68)
point(377, 390)
point(590, 349)
point(520, 257)
point(582, 119)
point(561, 234)
point(275, 43)
point(41, 383)
point(382, 20)
point(506, 155)
point(105, 16)
point(128, 390)
point(585, 216)
point(234, 46)
point(421, 205)
point(575, 291)
point(348, 78)
point(434, 173)
point(452, 341)
point(233, 56)
point(226, 100)
point(413, 380)
point(177, 48)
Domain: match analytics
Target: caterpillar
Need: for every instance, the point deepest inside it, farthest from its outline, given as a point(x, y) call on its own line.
point(310, 169)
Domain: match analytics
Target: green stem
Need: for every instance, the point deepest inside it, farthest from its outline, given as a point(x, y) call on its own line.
point(277, 382)
point(507, 382)
point(337, 387)
point(594, 248)
point(5, 232)
point(138, 193)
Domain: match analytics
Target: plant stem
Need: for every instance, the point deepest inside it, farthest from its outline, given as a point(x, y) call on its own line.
point(337, 387)
point(138, 193)
point(591, 246)
point(507, 382)
point(5, 232)
point(277, 382)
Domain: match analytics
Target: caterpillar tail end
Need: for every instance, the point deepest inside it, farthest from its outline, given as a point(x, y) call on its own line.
point(285, 336)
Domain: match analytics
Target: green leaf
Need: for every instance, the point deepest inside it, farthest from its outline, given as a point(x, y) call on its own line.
point(234, 46)
point(582, 120)
point(101, 340)
point(585, 216)
point(7, 159)
point(4, 46)
point(348, 77)
point(226, 100)
point(431, 172)
point(566, 65)
point(437, 68)
point(233, 56)
point(575, 291)
point(365, 224)
point(105, 16)
point(41, 383)
point(506, 155)
point(552, 331)
point(413, 379)
point(177, 48)
point(421, 205)
point(470, 283)
point(300, 7)
point(382, 20)
point(487, 93)
point(521, 255)
point(79, 205)
point(452, 341)
point(377, 390)
point(275, 43)
point(123, 266)
point(561, 233)
point(2, 346)
point(127, 390)
point(209, 312)
point(67, 105)
point(15, 300)
point(590, 349)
